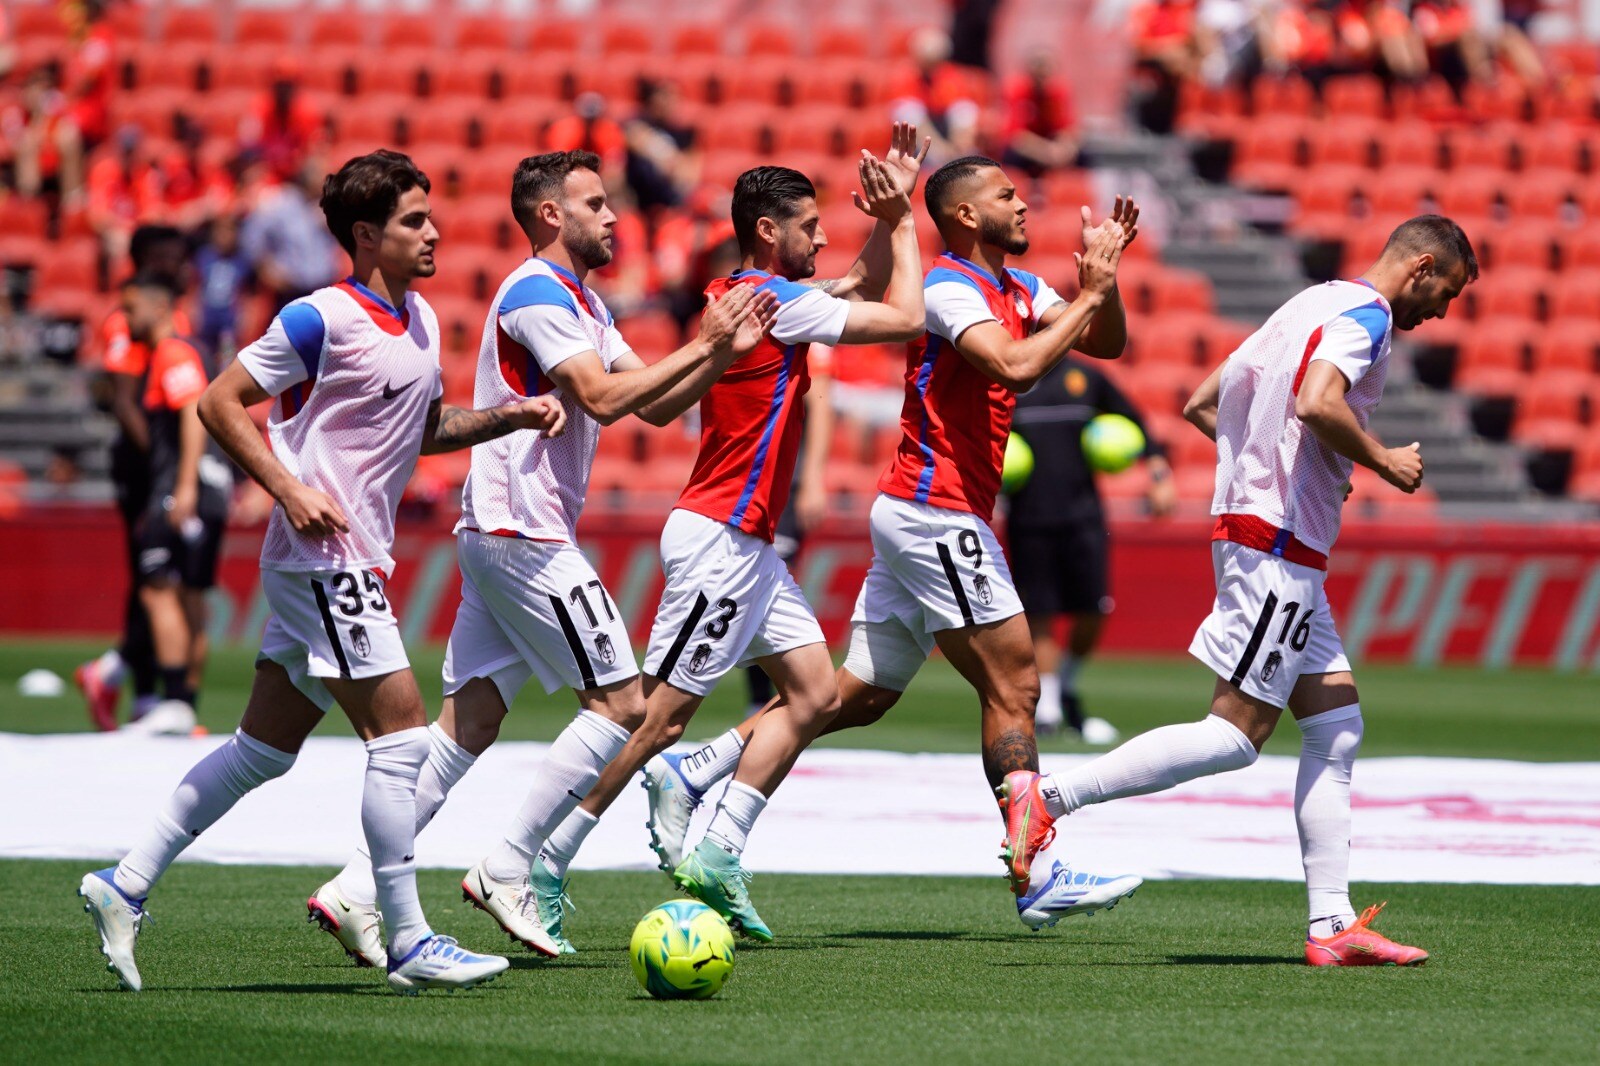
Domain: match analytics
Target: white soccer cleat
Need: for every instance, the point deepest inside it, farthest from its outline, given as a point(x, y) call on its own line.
point(514, 906)
point(672, 803)
point(440, 962)
point(169, 718)
point(1099, 732)
point(1067, 892)
point(353, 925)
point(117, 918)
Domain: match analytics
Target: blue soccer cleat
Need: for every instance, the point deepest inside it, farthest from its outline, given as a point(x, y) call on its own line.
point(673, 802)
point(440, 962)
point(1067, 892)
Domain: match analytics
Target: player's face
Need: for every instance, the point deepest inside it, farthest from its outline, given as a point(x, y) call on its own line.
point(1002, 213)
point(587, 220)
point(144, 309)
point(409, 237)
point(797, 240)
point(1429, 293)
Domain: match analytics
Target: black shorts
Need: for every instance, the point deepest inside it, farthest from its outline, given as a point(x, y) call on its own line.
point(161, 553)
point(1063, 570)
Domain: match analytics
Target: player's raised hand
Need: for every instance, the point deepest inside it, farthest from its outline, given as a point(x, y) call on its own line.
point(719, 322)
point(540, 412)
point(1404, 467)
point(1124, 216)
point(880, 196)
point(904, 159)
point(1097, 265)
point(312, 512)
point(759, 314)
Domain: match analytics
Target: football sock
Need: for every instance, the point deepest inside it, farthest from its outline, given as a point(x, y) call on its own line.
point(112, 670)
point(559, 851)
point(175, 684)
point(1328, 745)
point(1150, 762)
point(447, 763)
point(389, 820)
point(1048, 712)
point(1067, 678)
point(707, 765)
point(570, 770)
point(206, 793)
point(730, 827)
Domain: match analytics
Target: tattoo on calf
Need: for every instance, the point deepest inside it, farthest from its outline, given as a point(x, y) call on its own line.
point(1011, 750)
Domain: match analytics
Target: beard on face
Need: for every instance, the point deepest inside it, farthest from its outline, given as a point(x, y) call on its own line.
point(797, 262)
point(425, 268)
point(1001, 234)
point(586, 248)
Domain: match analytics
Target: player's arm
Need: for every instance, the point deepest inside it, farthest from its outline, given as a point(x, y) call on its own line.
point(127, 410)
point(191, 443)
point(749, 324)
point(1106, 336)
point(1321, 404)
point(1201, 410)
point(450, 429)
point(868, 277)
point(1019, 364)
point(900, 315)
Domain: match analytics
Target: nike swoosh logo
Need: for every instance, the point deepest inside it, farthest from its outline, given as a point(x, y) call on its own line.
point(574, 795)
point(390, 392)
point(343, 906)
point(408, 858)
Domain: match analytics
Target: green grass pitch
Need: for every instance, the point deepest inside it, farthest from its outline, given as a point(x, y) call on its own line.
point(880, 970)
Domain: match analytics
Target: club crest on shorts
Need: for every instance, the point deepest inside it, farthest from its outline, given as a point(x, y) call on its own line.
point(698, 661)
point(358, 640)
point(603, 648)
point(980, 585)
point(1269, 669)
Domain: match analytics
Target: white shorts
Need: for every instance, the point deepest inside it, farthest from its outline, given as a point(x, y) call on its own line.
point(330, 623)
point(933, 568)
point(1269, 625)
point(729, 600)
point(533, 608)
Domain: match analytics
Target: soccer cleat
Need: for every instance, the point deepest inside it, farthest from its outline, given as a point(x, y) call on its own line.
point(1361, 945)
point(551, 899)
point(1029, 826)
point(513, 906)
point(673, 802)
point(714, 877)
point(169, 718)
point(440, 962)
point(117, 918)
point(353, 925)
point(1099, 732)
point(1067, 892)
point(101, 696)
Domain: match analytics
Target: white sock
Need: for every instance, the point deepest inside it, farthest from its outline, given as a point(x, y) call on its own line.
point(207, 792)
point(1049, 710)
point(389, 819)
point(562, 847)
point(447, 763)
point(1151, 762)
point(1328, 746)
point(707, 765)
point(737, 813)
point(570, 770)
point(111, 668)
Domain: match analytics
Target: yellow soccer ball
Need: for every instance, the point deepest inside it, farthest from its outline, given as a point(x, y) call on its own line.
point(682, 950)
point(1111, 443)
point(1018, 465)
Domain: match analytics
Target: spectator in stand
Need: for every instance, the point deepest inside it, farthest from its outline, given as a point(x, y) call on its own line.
point(87, 78)
point(971, 29)
point(1456, 50)
point(1041, 126)
point(936, 95)
point(287, 242)
point(1376, 36)
point(590, 129)
point(124, 190)
point(1514, 44)
point(1165, 55)
point(1236, 41)
point(687, 247)
point(45, 147)
point(224, 273)
point(194, 180)
point(283, 129)
point(663, 158)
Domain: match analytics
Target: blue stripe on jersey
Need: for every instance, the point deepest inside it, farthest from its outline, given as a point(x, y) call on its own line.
point(924, 375)
point(1375, 320)
point(764, 445)
point(537, 290)
point(784, 289)
point(939, 275)
point(1026, 280)
point(302, 324)
point(970, 265)
point(394, 312)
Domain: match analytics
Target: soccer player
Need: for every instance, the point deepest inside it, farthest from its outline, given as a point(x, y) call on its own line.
point(531, 603)
point(937, 573)
point(354, 370)
point(729, 600)
point(1288, 411)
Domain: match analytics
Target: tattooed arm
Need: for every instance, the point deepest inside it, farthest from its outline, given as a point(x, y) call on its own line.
point(452, 428)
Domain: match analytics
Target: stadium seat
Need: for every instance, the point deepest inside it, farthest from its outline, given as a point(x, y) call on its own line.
point(1401, 190)
point(1576, 294)
point(338, 29)
point(1175, 339)
point(1220, 338)
point(37, 22)
point(410, 30)
point(623, 38)
point(1408, 143)
point(1540, 194)
point(1290, 96)
point(1508, 292)
point(1268, 154)
point(537, 81)
point(840, 41)
point(739, 129)
point(488, 31)
point(1351, 96)
point(247, 68)
point(1328, 190)
point(768, 39)
point(700, 39)
point(1470, 191)
point(1580, 248)
point(1554, 145)
point(256, 26)
point(1568, 344)
point(20, 217)
point(189, 25)
point(1492, 358)
point(1489, 147)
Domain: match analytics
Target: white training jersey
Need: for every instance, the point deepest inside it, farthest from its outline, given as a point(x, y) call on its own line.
point(526, 484)
point(1268, 463)
point(354, 378)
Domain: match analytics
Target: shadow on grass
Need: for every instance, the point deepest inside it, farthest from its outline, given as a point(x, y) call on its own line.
point(530, 962)
point(378, 988)
point(1234, 960)
point(938, 934)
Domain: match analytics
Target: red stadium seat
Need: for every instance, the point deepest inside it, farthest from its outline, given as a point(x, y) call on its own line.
point(253, 26)
point(1409, 143)
point(410, 30)
point(1176, 289)
point(1554, 145)
point(1568, 344)
point(537, 81)
point(1492, 358)
point(1503, 100)
point(627, 38)
point(37, 22)
point(1172, 339)
point(738, 128)
point(769, 39)
point(1471, 191)
point(1220, 338)
point(189, 25)
point(1268, 154)
point(563, 37)
point(1328, 190)
point(1291, 96)
point(1401, 190)
point(1580, 248)
point(1509, 292)
point(701, 39)
point(338, 29)
point(1353, 95)
point(171, 66)
point(25, 218)
point(1489, 147)
point(1576, 294)
point(1540, 194)
point(489, 32)
point(1557, 399)
point(438, 122)
point(840, 41)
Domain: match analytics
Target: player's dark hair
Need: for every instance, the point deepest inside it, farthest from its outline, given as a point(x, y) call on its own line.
point(155, 280)
point(939, 193)
point(148, 238)
point(543, 177)
point(366, 189)
point(1439, 236)
point(766, 192)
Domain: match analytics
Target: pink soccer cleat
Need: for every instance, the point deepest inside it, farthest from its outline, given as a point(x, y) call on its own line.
point(1029, 826)
point(1361, 945)
point(101, 696)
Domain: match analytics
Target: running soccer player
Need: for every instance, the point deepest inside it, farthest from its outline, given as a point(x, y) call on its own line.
point(354, 370)
point(531, 603)
point(937, 574)
point(729, 600)
point(1289, 411)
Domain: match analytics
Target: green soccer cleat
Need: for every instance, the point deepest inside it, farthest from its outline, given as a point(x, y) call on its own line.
point(550, 896)
point(714, 877)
